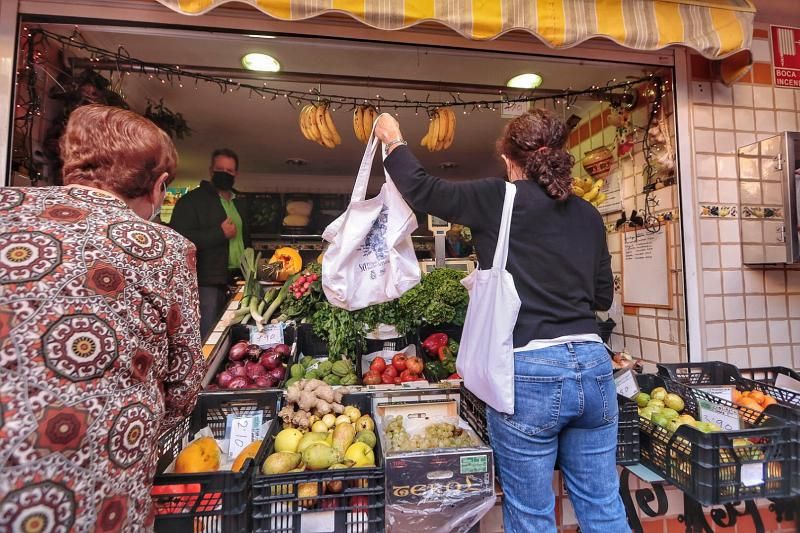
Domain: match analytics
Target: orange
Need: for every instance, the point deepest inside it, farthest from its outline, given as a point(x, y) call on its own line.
point(200, 456)
point(745, 394)
point(249, 452)
point(751, 404)
point(758, 396)
point(768, 400)
point(736, 396)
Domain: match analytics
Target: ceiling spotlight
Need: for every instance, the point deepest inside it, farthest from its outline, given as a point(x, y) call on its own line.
point(525, 81)
point(260, 62)
point(296, 162)
point(448, 165)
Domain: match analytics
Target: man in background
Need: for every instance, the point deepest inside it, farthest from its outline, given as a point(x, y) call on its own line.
point(213, 219)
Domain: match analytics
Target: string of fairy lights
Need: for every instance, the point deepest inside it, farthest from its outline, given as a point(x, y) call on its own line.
point(29, 100)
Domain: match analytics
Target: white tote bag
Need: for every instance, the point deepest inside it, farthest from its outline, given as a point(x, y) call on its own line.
point(370, 259)
point(486, 353)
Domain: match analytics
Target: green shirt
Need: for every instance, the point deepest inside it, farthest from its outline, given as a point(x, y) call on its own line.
point(236, 244)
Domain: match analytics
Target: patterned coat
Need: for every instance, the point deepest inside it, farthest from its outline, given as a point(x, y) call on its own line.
point(99, 353)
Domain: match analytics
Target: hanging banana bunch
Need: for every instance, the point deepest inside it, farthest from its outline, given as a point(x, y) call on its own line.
point(316, 124)
point(441, 130)
point(589, 190)
point(363, 118)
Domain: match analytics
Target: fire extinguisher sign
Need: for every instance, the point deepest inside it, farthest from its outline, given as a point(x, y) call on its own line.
point(786, 55)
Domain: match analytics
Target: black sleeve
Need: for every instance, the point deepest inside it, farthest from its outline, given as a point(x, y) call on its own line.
point(186, 222)
point(470, 203)
point(604, 283)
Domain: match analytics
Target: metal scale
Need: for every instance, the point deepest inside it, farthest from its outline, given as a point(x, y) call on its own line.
point(439, 228)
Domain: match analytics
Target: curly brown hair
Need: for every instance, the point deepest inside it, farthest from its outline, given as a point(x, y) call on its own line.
point(535, 143)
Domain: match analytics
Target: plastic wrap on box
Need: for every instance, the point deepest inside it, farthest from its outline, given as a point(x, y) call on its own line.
point(444, 490)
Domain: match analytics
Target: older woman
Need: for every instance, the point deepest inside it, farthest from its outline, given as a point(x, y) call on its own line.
point(99, 330)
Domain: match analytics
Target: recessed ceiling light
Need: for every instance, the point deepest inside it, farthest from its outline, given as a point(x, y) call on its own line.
point(260, 62)
point(254, 36)
point(296, 162)
point(525, 81)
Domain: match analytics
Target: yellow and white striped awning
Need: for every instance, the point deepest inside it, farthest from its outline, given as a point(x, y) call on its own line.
point(714, 28)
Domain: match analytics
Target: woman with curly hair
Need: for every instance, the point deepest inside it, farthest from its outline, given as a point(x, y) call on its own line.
point(565, 405)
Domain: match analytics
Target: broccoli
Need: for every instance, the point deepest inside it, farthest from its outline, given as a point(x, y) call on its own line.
point(438, 299)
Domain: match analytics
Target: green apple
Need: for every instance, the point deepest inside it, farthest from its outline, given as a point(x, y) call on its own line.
point(642, 398)
point(673, 401)
point(659, 393)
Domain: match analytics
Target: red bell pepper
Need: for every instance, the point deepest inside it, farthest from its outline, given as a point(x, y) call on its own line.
point(434, 342)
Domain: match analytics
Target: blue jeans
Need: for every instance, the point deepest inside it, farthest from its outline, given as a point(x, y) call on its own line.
point(565, 408)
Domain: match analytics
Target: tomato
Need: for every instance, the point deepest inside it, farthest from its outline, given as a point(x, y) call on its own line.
point(174, 499)
point(161, 490)
point(399, 362)
point(378, 365)
point(397, 380)
point(415, 365)
point(454, 376)
point(372, 378)
point(386, 379)
point(391, 371)
point(360, 503)
point(407, 375)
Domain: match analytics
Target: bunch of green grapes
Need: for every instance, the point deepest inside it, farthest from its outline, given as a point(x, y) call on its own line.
point(438, 435)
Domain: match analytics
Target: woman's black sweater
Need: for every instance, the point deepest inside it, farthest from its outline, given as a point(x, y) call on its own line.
point(558, 253)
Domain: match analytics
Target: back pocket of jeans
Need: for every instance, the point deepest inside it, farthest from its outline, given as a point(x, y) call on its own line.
point(537, 404)
point(608, 392)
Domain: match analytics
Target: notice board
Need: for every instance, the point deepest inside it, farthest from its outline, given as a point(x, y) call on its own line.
point(647, 268)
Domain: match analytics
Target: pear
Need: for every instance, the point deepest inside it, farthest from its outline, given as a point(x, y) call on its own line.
point(280, 463)
point(307, 494)
point(309, 439)
point(368, 437)
point(320, 456)
point(365, 422)
point(343, 437)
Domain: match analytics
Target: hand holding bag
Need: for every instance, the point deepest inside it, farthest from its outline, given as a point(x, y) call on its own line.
point(371, 258)
point(486, 353)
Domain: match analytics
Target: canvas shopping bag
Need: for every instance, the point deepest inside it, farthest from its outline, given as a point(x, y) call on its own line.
point(486, 353)
point(370, 259)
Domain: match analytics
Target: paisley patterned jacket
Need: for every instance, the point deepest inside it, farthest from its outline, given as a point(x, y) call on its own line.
point(99, 353)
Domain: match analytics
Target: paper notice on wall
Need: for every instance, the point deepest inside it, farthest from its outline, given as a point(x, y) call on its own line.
point(613, 191)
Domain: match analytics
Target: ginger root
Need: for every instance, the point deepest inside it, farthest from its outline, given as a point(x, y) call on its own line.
point(314, 399)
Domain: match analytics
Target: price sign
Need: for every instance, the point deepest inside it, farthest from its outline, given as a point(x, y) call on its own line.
point(626, 384)
point(241, 431)
point(723, 391)
point(514, 109)
point(782, 381)
point(723, 416)
point(270, 336)
point(752, 474)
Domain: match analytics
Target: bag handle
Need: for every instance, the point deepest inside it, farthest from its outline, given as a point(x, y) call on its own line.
point(501, 251)
point(364, 171)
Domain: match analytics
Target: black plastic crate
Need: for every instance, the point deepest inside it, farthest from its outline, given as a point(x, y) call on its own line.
point(707, 466)
point(309, 343)
point(359, 507)
point(234, 334)
point(473, 410)
point(708, 373)
point(393, 345)
point(212, 502)
point(768, 374)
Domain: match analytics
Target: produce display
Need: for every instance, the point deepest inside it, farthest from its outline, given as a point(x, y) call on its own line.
point(664, 408)
point(308, 401)
point(442, 350)
point(316, 124)
point(363, 119)
point(589, 189)
point(205, 455)
point(755, 400)
point(401, 369)
point(435, 435)
point(441, 130)
point(285, 262)
point(330, 372)
point(250, 367)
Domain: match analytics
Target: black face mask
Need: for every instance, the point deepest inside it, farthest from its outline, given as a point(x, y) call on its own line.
point(222, 181)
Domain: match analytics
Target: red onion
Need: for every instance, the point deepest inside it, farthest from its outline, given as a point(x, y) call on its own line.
point(283, 350)
point(278, 373)
point(254, 350)
point(238, 351)
point(270, 360)
point(239, 383)
point(253, 370)
point(224, 379)
point(263, 382)
point(212, 386)
point(237, 371)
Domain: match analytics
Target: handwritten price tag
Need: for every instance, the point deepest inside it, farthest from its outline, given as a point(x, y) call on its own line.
point(272, 335)
point(722, 391)
point(626, 384)
point(241, 431)
point(725, 417)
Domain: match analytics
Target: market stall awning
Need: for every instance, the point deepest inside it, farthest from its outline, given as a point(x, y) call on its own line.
point(714, 28)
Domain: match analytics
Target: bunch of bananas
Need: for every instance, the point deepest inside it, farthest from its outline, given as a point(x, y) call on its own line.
point(363, 118)
point(441, 130)
point(589, 190)
point(316, 124)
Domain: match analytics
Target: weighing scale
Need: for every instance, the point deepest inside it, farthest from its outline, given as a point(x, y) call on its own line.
point(439, 228)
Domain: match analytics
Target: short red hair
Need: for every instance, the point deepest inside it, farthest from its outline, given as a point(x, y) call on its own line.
point(116, 150)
